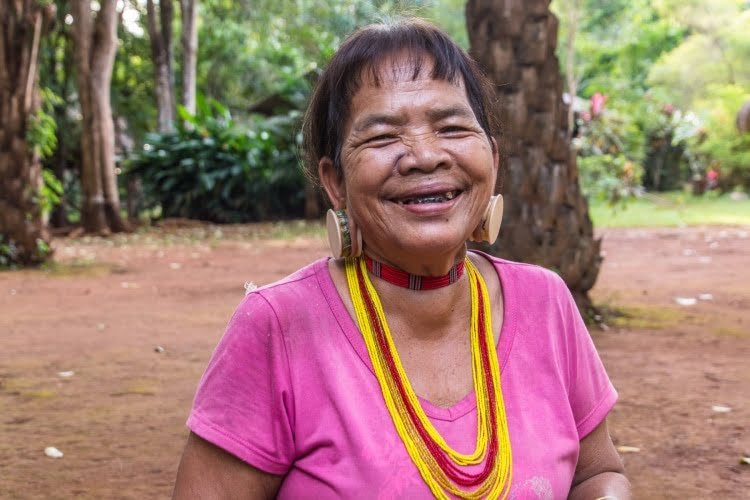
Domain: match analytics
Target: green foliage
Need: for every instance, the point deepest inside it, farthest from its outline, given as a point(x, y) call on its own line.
point(616, 42)
point(722, 142)
point(213, 168)
point(609, 165)
point(677, 71)
point(51, 192)
point(133, 78)
point(667, 136)
point(41, 130)
point(8, 253)
point(250, 50)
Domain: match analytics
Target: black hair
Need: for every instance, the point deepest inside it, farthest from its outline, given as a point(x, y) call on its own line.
point(362, 55)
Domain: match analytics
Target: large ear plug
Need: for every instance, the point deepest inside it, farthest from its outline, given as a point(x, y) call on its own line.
point(489, 226)
point(343, 237)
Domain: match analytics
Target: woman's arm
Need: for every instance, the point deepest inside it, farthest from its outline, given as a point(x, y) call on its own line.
point(208, 472)
point(599, 473)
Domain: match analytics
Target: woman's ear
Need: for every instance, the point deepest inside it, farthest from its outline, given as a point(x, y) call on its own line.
point(332, 182)
point(495, 159)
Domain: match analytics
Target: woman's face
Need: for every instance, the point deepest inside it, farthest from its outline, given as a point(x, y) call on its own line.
point(418, 168)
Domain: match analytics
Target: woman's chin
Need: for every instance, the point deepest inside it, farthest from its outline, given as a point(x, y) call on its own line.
point(426, 246)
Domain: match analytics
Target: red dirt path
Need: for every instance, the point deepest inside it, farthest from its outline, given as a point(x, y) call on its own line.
point(119, 419)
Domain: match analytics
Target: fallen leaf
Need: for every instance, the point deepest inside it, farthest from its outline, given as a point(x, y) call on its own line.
point(249, 287)
point(686, 301)
point(53, 452)
point(628, 449)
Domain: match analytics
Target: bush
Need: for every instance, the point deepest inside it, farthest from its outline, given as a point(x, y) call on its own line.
point(8, 253)
point(723, 143)
point(212, 168)
point(608, 160)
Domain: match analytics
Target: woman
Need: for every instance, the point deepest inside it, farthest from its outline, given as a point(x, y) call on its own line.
point(410, 368)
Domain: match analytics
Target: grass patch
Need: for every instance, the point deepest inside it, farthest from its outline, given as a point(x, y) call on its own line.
point(671, 210)
point(139, 387)
point(640, 317)
point(730, 331)
point(26, 387)
point(297, 228)
point(76, 268)
point(41, 393)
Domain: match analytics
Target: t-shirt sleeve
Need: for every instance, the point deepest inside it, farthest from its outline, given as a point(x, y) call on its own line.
point(590, 392)
point(244, 401)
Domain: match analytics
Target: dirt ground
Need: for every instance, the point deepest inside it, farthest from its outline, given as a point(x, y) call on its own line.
point(135, 319)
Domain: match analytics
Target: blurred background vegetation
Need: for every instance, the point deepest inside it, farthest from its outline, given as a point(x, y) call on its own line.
point(655, 87)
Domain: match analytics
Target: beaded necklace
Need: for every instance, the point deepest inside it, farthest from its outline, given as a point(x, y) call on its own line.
point(441, 467)
point(403, 279)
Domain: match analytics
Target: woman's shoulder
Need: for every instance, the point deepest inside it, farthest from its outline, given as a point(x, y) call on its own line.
point(304, 290)
point(524, 274)
point(301, 281)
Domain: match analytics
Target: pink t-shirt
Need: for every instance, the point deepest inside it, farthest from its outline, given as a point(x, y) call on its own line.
point(291, 391)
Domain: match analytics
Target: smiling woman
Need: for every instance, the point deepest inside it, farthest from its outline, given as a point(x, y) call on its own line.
point(406, 367)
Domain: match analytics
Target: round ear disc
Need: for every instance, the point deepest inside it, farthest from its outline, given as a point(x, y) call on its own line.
point(492, 219)
point(357, 250)
point(335, 236)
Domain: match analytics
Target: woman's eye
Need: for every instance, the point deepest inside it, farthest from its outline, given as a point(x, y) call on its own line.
point(381, 138)
point(453, 129)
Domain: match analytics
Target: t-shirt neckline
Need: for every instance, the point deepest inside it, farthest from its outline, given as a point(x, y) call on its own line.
point(351, 331)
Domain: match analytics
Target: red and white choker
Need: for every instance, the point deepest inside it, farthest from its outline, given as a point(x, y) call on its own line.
point(403, 279)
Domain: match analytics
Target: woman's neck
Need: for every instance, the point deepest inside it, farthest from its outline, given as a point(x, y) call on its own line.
point(424, 265)
point(428, 314)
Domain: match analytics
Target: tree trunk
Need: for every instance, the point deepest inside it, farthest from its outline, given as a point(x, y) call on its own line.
point(59, 160)
point(21, 222)
point(573, 11)
point(546, 216)
point(96, 45)
point(160, 35)
point(189, 40)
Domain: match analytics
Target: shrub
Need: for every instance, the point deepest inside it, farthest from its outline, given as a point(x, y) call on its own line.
point(212, 168)
point(723, 143)
point(608, 160)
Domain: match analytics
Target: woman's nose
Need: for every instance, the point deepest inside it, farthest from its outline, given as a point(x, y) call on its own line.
point(422, 152)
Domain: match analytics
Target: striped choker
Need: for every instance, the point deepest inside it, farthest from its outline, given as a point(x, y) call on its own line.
point(403, 279)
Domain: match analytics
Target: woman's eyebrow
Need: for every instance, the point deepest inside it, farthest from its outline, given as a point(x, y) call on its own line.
point(458, 111)
point(374, 119)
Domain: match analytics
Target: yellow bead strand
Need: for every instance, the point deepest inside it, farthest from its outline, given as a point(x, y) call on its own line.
point(498, 482)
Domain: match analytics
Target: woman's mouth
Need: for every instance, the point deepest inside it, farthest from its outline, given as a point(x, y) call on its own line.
point(430, 198)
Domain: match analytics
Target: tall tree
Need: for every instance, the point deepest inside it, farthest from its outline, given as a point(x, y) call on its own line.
point(189, 42)
point(572, 12)
point(56, 75)
point(160, 34)
point(21, 221)
point(96, 44)
point(547, 220)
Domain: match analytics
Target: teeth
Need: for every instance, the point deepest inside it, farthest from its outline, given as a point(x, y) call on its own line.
point(433, 198)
